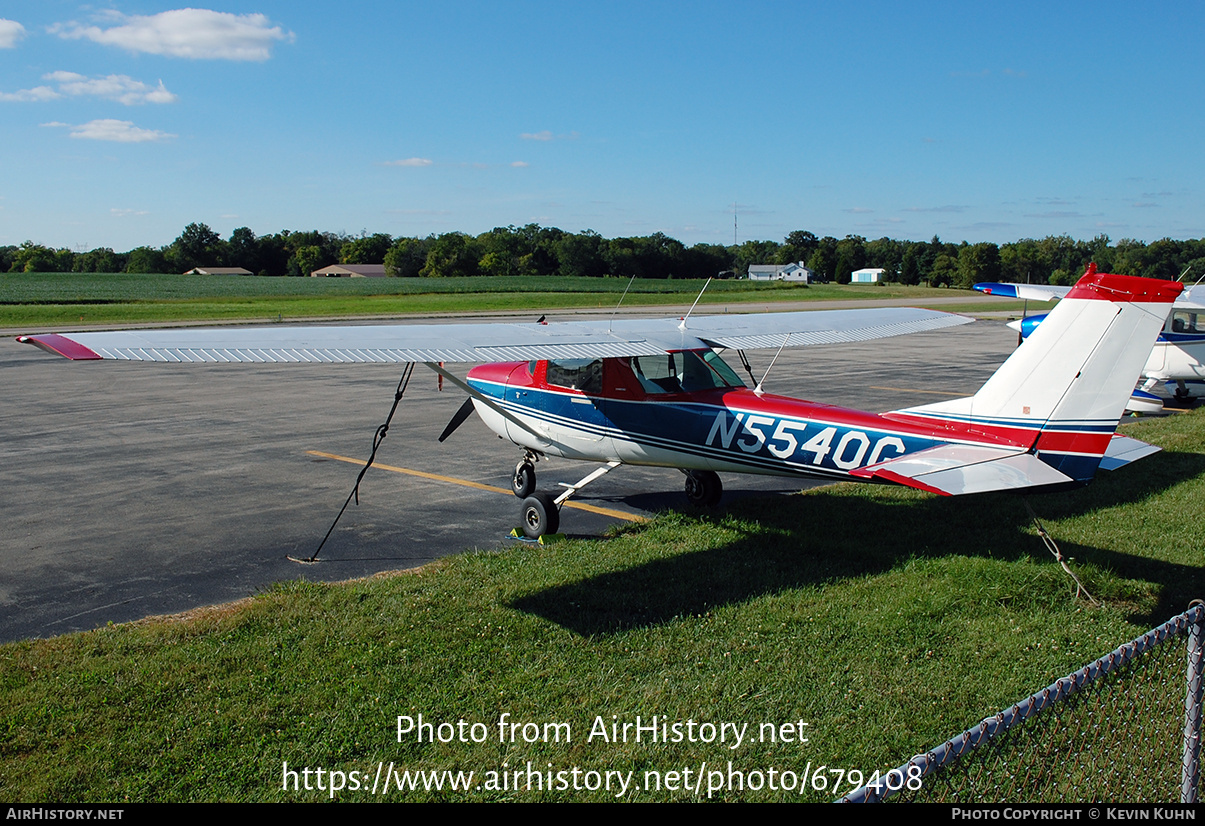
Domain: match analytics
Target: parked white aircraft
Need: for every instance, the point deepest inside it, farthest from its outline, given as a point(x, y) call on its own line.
point(1177, 357)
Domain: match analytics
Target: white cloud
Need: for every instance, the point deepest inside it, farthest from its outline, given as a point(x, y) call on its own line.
point(192, 33)
point(109, 129)
point(519, 163)
point(411, 162)
point(36, 93)
point(121, 88)
point(10, 32)
point(122, 213)
point(546, 135)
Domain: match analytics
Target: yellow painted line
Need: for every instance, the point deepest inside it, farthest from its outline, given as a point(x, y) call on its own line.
point(452, 480)
point(949, 394)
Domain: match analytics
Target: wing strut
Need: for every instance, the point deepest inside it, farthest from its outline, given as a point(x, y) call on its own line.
point(379, 437)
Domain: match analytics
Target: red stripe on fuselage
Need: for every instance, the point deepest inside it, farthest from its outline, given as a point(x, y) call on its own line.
point(975, 431)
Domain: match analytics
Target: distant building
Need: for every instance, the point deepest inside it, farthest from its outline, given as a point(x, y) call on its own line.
point(870, 275)
point(350, 271)
point(218, 271)
point(780, 272)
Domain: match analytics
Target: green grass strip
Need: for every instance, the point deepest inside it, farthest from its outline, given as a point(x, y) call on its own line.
point(886, 619)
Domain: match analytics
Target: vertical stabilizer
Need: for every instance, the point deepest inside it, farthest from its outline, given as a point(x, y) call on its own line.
point(1063, 391)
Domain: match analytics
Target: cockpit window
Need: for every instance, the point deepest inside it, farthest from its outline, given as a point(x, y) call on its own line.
point(684, 372)
point(1186, 322)
point(580, 374)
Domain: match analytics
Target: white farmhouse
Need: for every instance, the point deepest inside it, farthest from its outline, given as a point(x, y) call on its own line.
point(780, 272)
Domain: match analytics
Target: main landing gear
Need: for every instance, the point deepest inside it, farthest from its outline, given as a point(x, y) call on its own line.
point(703, 488)
point(541, 513)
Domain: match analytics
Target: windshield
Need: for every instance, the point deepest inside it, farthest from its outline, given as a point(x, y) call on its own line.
point(688, 371)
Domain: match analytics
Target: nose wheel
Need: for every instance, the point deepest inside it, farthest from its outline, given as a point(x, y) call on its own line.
point(523, 483)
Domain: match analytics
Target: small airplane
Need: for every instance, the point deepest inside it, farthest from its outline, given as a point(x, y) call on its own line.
point(656, 392)
point(1177, 357)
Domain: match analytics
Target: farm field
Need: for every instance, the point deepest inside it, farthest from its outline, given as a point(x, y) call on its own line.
point(72, 299)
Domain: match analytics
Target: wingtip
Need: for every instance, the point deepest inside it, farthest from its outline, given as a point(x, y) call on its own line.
point(61, 346)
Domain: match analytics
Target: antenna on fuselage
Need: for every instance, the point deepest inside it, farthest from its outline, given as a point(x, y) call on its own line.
point(758, 389)
point(621, 298)
point(682, 324)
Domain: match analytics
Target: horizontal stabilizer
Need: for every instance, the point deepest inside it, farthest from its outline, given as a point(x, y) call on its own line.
point(1122, 450)
point(954, 470)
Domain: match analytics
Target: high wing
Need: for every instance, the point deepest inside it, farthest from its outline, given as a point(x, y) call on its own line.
point(494, 342)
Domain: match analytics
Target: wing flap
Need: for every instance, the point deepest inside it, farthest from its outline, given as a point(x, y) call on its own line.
point(955, 470)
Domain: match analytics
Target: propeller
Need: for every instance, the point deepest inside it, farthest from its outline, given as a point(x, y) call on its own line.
point(457, 419)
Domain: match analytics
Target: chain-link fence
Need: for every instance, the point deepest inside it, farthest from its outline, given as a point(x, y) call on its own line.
point(1126, 727)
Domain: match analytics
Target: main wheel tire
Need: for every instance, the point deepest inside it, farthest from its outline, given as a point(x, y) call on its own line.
point(703, 488)
point(523, 483)
point(540, 515)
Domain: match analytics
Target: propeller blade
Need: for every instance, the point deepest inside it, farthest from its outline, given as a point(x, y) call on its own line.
point(458, 419)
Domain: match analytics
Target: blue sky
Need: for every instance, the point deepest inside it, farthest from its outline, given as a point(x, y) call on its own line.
point(125, 122)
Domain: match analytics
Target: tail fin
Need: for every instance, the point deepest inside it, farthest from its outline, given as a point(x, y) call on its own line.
point(1061, 394)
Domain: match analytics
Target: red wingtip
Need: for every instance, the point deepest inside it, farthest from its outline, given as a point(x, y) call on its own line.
point(61, 346)
point(1110, 287)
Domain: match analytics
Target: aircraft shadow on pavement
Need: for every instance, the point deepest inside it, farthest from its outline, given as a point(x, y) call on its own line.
point(814, 539)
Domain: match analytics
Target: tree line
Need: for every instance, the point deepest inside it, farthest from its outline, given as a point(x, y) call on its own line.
point(533, 250)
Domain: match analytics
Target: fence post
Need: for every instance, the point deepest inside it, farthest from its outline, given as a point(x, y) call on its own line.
point(1190, 778)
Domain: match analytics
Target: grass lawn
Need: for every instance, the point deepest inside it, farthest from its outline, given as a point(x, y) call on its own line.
point(884, 618)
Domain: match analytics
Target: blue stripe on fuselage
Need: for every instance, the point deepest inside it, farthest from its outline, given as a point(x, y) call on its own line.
point(757, 440)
